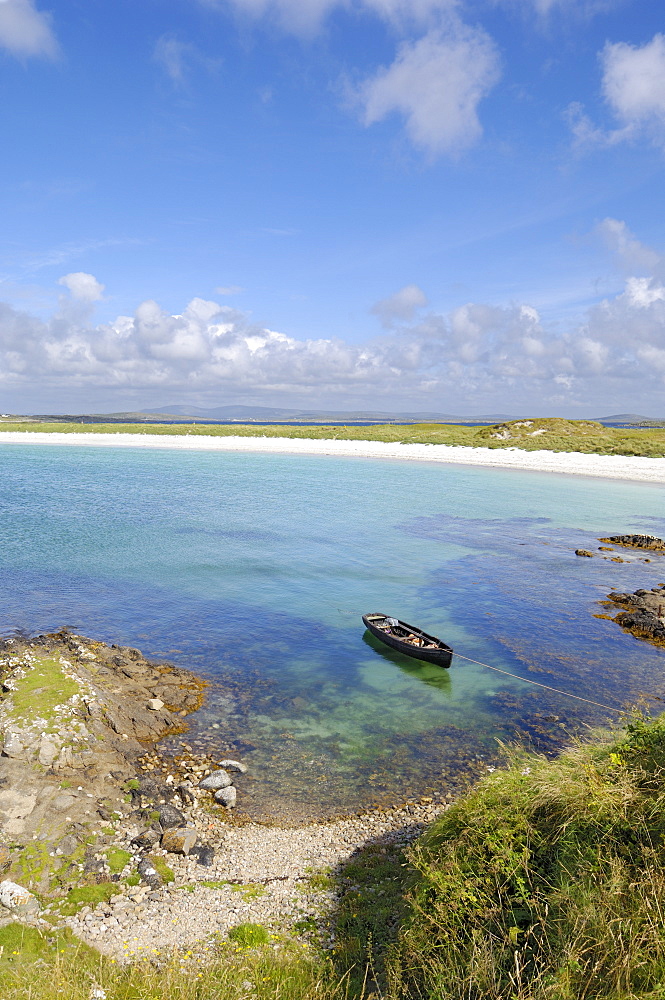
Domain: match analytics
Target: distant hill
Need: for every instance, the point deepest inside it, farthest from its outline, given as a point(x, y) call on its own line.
point(258, 413)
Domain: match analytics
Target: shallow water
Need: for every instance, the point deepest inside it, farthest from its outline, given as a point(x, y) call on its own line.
point(254, 570)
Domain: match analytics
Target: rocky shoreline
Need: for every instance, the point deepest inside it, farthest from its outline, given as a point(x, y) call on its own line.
point(135, 851)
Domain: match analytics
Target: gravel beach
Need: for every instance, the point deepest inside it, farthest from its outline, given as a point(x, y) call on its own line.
point(267, 871)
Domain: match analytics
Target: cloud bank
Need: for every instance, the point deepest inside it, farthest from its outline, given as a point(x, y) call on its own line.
point(477, 352)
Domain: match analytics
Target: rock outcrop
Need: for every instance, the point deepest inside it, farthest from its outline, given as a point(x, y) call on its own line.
point(644, 614)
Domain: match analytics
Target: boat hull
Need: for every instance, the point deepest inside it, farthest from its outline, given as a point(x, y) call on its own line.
point(441, 655)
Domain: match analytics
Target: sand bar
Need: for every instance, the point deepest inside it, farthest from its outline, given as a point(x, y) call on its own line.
point(638, 469)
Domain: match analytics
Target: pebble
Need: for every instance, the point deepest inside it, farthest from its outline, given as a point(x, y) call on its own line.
point(262, 873)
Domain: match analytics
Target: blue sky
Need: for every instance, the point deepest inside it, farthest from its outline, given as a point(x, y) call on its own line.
point(437, 205)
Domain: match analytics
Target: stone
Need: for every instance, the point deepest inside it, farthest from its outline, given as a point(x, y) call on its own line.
point(186, 793)
point(226, 797)
point(20, 901)
point(216, 780)
point(179, 840)
point(154, 704)
point(48, 751)
point(204, 854)
point(233, 765)
point(5, 857)
point(13, 746)
point(169, 816)
point(68, 844)
point(146, 839)
point(149, 873)
point(584, 552)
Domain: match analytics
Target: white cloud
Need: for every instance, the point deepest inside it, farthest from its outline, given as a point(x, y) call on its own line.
point(476, 353)
point(436, 84)
point(633, 255)
point(400, 306)
point(170, 54)
point(25, 31)
point(634, 81)
point(229, 290)
point(83, 287)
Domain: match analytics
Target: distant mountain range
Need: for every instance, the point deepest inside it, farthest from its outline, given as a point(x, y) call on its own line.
point(271, 413)
point(274, 414)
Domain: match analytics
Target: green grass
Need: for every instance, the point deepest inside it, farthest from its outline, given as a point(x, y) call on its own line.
point(43, 688)
point(546, 881)
point(249, 935)
point(558, 434)
point(117, 859)
point(86, 895)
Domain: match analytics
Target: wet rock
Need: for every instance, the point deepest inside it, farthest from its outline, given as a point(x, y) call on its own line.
point(179, 840)
point(169, 817)
point(233, 765)
point(216, 780)
point(20, 901)
point(651, 542)
point(226, 797)
point(584, 552)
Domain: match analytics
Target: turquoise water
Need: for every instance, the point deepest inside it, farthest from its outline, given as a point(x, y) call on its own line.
point(254, 570)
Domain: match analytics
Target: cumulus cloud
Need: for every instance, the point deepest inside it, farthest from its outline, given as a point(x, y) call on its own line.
point(436, 84)
point(400, 306)
point(633, 86)
point(631, 254)
point(634, 82)
point(83, 287)
point(472, 354)
point(24, 30)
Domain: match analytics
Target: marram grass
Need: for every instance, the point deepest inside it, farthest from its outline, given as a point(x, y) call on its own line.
point(546, 881)
point(539, 433)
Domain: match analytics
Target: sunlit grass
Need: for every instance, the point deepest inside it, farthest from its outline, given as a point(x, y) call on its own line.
point(550, 434)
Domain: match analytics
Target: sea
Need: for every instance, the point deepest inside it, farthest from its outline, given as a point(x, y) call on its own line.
point(253, 570)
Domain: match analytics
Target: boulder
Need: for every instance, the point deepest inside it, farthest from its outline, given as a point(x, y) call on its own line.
point(233, 765)
point(179, 840)
point(20, 901)
point(216, 780)
point(169, 816)
point(204, 855)
point(226, 797)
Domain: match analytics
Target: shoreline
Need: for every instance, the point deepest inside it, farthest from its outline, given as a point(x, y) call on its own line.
point(632, 468)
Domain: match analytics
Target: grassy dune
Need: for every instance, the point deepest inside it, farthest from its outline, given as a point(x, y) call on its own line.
point(545, 882)
point(551, 434)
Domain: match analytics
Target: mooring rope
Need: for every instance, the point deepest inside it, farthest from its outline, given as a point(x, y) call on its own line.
point(526, 680)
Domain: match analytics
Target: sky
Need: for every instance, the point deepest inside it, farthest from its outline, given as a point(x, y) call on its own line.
point(452, 206)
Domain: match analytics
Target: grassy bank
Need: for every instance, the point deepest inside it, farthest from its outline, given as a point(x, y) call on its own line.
point(552, 434)
point(545, 882)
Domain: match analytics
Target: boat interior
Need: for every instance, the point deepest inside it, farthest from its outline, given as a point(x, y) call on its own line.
point(404, 634)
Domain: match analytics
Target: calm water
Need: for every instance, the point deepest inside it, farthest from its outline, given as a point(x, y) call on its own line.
point(254, 570)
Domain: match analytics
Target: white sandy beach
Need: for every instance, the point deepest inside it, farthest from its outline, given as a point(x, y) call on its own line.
point(645, 470)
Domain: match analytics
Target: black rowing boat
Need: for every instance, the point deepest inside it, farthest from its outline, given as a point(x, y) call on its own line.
point(408, 640)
